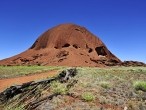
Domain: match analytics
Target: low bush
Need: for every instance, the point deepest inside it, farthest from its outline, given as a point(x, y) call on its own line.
point(105, 84)
point(58, 88)
point(140, 85)
point(10, 107)
point(88, 96)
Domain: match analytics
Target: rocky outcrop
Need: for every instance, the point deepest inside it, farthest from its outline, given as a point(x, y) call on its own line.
point(65, 45)
point(132, 63)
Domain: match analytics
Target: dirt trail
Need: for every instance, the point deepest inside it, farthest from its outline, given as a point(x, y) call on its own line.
point(4, 83)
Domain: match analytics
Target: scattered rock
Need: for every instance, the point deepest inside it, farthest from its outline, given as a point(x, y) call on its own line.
point(132, 63)
point(15, 90)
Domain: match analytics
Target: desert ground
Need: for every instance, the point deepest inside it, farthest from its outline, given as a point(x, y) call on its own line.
point(91, 88)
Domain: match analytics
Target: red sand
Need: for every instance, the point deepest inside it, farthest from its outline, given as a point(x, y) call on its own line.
point(5, 83)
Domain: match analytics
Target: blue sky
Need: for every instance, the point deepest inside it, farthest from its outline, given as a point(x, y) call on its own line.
point(120, 24)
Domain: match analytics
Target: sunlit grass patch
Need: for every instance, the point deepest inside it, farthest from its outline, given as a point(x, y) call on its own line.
point(58, 88)
point(12, 71)
point(88, 96)
point(140, 85)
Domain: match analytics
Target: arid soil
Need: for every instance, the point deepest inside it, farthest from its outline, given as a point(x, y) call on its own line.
point(90, 89)
point(5, 83)
point(65, 45)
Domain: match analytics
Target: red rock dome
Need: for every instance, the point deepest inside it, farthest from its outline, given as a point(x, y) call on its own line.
point(65, 45)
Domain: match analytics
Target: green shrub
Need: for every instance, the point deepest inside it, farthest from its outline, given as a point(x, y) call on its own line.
point(58, 88)
point(88, 96)
point(140, 85)
point(21, 107)
point(105, 84)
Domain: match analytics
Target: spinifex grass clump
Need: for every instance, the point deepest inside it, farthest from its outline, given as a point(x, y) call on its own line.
point(88, 96)
point(140, 85)
point(105, 84)
point(58, 88)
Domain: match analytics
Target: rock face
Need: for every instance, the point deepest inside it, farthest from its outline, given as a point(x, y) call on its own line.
point(65, 45)
point(132, 63)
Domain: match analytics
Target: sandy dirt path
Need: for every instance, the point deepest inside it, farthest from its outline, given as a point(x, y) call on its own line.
point(4, 83)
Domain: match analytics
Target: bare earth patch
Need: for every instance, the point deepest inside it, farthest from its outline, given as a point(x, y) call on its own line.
point(89, 89)
point(4, 83)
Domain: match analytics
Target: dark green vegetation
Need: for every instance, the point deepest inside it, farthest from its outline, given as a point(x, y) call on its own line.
point(115, 88)
point(13, 71)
